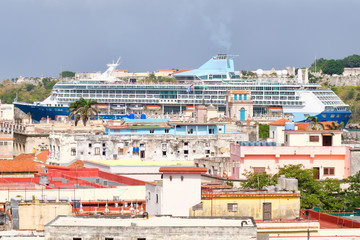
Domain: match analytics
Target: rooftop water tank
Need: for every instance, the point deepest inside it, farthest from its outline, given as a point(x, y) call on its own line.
point(289, 126)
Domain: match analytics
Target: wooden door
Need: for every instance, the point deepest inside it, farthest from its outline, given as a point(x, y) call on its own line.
point(266, 211)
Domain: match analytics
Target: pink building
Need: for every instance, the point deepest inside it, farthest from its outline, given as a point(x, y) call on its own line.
point(320, 150)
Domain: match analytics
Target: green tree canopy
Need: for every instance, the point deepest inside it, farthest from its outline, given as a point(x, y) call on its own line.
point(67, 74)
point(333, 67)
point(351, 61)
point(264, 131)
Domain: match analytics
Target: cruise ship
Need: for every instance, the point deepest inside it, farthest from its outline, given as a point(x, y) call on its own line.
point(276, 97)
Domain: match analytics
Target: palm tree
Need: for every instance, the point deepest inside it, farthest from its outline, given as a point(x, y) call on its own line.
point(83, 109)
point(334, 126)
point(73, 108)
point(314, 124)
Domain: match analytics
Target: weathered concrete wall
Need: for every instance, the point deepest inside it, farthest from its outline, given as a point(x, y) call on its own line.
point(150, 148)
point(149, 233)
point(282, 207)
point(36, 215)
point(354, 161)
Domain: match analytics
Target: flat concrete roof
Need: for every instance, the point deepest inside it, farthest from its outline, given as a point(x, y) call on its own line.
point(165, 221)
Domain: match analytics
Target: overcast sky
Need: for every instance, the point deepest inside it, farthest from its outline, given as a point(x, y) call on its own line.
point(44, 37)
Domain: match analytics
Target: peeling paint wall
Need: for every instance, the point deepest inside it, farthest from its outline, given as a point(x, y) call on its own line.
point(282, 207)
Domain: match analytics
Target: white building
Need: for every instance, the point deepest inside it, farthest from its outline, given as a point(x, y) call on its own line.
point(6, 112)
point(179, 190)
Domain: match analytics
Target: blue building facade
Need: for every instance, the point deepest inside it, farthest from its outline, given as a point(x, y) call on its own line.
point(163, 127)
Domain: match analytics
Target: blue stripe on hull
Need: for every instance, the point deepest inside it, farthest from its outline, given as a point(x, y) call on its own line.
point(336, 116)
point(38, 112)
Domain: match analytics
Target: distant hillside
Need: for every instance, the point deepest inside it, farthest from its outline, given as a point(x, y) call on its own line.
point(351, 96)
point(27, 92)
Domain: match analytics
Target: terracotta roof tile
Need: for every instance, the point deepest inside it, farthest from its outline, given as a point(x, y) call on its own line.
point(25, 156)
point(304, 125)
point(77, 164)
point(42, 156)
point(20, 166)
point(280, 122)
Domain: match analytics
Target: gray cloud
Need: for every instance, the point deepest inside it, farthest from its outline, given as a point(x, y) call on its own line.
point(47, 36)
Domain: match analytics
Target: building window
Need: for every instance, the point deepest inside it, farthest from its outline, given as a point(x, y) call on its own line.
point(103, 144)
point(164, 153)
point(76, 238)
point(149, 195)
point(109, 238)
point(186, 151)
point(190, 131)
point(73, 152)
point(232, 207)
point(97, 151)
point(166, 130)
point(170, 178)
point(151, 130)
point(182, 178)
point(259, 170)
point(186, 143)
point(314, 138)
point(90, 145)
point(157, 198)
point(211, 131)
point(329, 171)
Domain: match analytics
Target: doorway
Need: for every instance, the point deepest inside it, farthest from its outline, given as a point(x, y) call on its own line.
point(316, 173)
point(327, 140)
point(142, 154)
point(267, 211)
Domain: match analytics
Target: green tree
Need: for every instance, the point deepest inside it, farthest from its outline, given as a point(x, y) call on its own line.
point(333, 67)
point(319, 63)
point(258, 180)
point(351, 61)
point(264, 130)
point(67, 74)
point(352, 193)
point(331, 195)
point(83, 109)
point(308, 186)
point(334, 126)
point(29, 87)
point(314, 124)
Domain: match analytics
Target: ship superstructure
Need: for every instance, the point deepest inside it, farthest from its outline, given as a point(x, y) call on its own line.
point(276, 97)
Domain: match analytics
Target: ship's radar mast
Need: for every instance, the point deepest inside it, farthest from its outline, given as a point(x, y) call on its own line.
point(108, 74)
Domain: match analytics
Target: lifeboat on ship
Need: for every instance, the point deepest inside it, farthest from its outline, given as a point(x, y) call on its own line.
point(153, 107)
point(275, 109)
point(102, 106)
point(118, 106)
point(136, 107)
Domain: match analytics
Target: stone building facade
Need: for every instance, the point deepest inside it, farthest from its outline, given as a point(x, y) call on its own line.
point(67, 147)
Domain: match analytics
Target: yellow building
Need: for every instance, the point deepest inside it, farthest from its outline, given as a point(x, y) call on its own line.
point(261, 205)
